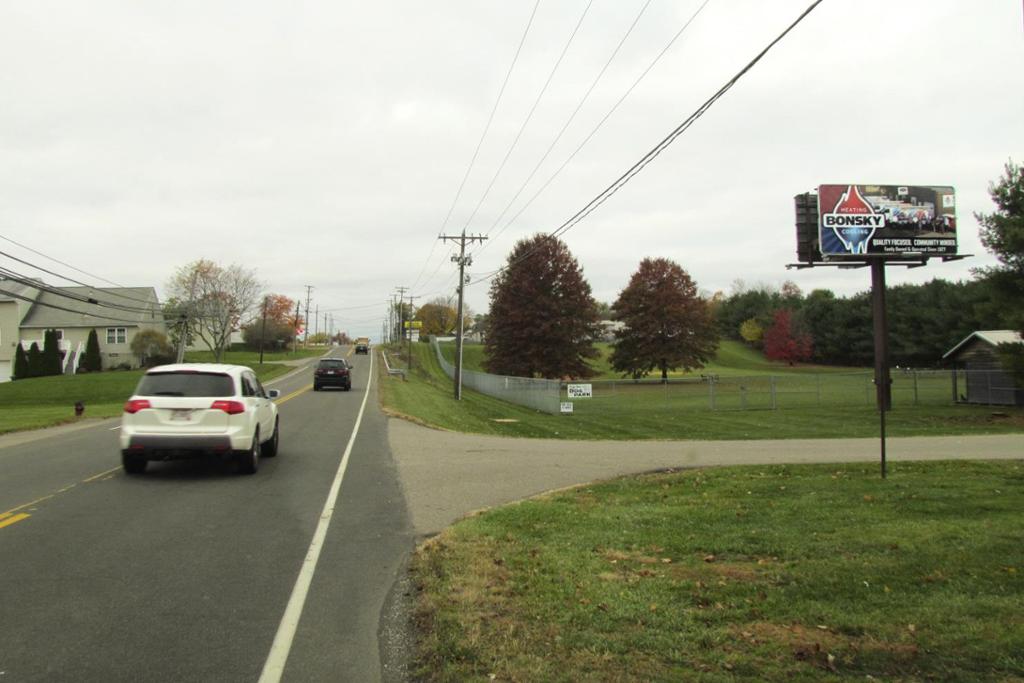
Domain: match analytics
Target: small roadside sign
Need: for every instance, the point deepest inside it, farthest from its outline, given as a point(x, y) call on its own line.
point(581, 390)
point(566, 407)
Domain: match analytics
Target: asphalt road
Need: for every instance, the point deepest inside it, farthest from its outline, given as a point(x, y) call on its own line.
point(185, 573)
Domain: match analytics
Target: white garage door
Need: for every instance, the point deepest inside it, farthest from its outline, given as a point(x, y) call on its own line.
point(5, 371)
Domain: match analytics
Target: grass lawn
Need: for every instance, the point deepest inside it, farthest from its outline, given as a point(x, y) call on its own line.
point(252, 358)
point(48, 401)
point(649, 413)
point(778, 573)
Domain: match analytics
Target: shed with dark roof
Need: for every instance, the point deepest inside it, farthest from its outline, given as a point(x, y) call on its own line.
point(980, 368)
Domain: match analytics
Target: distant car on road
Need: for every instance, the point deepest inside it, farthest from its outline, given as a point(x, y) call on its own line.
point(363, 345)
point(332, 372)
point(200, 409)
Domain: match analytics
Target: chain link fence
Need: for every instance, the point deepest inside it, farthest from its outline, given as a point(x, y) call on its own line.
point(775, 392)
point(619, 398)
point(539, 394)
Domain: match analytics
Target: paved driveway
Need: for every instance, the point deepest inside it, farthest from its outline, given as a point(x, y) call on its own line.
point(446, 475)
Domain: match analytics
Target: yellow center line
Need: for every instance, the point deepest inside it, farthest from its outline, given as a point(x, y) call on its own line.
point(7, 518)
point(22, 507)
point(97, 476)
point(7, 521)
point(293, 394)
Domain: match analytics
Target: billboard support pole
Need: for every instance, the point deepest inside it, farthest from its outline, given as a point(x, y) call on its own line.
point(883, 382)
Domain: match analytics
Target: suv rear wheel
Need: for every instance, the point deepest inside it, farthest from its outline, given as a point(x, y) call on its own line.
point(270, 447)
point(249, 461)
point(133, 464)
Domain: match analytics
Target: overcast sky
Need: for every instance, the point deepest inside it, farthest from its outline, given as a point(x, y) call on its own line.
point(323, 143)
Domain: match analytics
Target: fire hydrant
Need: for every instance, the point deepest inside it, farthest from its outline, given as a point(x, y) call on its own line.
point(79, 408)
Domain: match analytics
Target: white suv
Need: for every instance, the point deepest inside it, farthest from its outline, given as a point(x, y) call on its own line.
point(192, 410)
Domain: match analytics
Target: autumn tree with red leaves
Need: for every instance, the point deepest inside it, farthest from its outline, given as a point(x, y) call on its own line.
point(667, 324)
point(543, 319)
point(782, 341)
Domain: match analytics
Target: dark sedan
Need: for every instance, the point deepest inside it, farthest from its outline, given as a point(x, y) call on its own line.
point(332, 372)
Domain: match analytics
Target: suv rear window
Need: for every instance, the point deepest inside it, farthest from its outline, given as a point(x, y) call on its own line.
point(193, 384)
point(333, 364)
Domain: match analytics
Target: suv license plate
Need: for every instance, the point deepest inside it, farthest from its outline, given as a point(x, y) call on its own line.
point(181, 415)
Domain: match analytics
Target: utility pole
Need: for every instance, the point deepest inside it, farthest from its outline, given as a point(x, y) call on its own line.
point(316, 320)
point(295, 339)
point(263, 331)
point(392, 337)
point(463, 261)
point(305, 339)
point(190, 312)
point(411, 316)
point(401, 315)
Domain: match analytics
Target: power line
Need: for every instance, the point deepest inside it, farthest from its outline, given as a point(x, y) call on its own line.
point(437, 270)
point(68, 310)
point(69, 279)
point(601, 123)
point(350, 308)
point(568, 121)
point(652, 154)
point(529, 115)
point(480, 142)
point(57, 291)
point(68, 265)
point(490, 118)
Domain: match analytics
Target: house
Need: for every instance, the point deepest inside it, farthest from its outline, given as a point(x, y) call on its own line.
point(116, 313)
point(611, 329)
point(15, 301)
point(976, 362)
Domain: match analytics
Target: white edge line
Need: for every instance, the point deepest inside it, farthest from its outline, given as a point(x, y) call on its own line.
point(273, 668)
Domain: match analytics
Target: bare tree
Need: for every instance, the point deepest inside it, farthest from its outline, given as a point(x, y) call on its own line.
point(216, 299)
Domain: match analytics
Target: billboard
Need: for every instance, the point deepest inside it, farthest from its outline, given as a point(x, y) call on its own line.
point(886, 220)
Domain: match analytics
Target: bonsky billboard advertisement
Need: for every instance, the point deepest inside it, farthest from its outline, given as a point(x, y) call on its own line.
point(886, 220)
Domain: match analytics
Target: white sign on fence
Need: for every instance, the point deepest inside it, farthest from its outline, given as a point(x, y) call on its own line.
point(566, 407)
point(581, 390)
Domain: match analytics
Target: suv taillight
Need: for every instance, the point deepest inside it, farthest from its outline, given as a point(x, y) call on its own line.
point(135, 405)
point(229, 407)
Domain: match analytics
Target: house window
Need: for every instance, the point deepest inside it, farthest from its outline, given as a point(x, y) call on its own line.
point(117, 335)
point(60, 335)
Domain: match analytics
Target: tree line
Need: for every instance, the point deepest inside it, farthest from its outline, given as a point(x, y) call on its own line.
point(925, 321)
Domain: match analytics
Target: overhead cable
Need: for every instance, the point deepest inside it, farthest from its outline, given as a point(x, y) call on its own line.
point(529, 115)
point(619, 182)
point(568, 122)
point(490, 118)
point(600, 123)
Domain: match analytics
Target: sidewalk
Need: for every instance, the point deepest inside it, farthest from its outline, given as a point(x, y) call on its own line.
point(446, 475)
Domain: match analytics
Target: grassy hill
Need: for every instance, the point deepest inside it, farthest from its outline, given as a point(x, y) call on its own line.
point(653, 412)
point(734, 359)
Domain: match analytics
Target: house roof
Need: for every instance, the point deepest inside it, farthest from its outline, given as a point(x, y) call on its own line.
point(9, 287)
point(993, 337)
point(52, 310)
